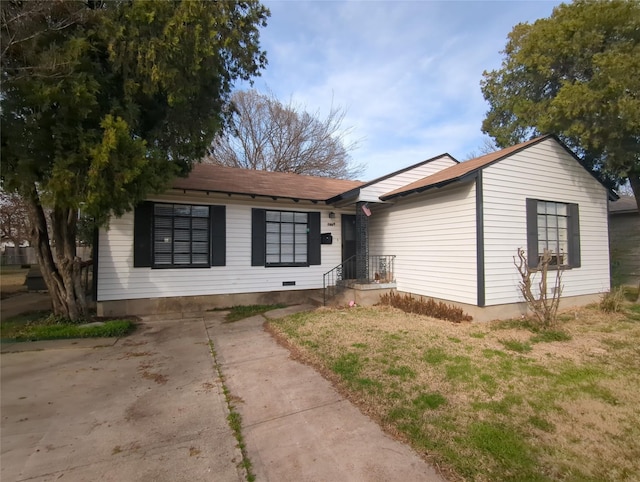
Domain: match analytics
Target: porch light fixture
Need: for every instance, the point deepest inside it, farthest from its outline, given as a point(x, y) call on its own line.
point(332, 215)
point(366, 210)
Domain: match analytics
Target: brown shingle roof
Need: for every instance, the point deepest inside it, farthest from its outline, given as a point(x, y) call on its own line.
point(458, 171)
point(232, 180)
point(626, 204)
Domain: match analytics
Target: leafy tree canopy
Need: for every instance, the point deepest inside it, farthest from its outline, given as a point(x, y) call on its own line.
point(266, 134)
point(576, 74)
point(104, 102)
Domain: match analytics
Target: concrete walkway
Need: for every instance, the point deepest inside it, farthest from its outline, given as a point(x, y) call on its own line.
point(148, 407)
point(297, 427)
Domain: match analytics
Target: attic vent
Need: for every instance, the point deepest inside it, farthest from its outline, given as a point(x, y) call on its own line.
point(288, 283)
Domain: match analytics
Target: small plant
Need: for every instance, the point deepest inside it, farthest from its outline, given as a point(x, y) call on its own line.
point(544, 304)
point(613, 301)
point(428, 307)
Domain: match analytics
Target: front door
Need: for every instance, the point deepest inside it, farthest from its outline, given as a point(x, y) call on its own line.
point(349, 246)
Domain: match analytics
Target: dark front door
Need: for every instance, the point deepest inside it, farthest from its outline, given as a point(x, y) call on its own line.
point(349, 246)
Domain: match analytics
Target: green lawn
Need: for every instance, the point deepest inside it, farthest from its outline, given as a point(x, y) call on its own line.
point(44, 326)
point(490, 401)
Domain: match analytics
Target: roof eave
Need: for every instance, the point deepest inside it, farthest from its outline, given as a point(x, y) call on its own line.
point(461, 179)
point(273, 197)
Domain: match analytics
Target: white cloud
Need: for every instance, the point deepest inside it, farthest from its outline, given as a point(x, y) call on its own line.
point(408, 73)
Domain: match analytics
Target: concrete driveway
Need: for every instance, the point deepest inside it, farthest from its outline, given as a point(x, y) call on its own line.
point(147, 408)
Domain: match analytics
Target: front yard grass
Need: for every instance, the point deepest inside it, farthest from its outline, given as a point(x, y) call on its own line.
point(489, 401)
point(43, 326)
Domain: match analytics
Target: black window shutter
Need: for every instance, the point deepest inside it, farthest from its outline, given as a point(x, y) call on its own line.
point(314, 239)
point(258, 237)
point(574, 236)
point(217, 217)
point(532, 232)
point(143, 235)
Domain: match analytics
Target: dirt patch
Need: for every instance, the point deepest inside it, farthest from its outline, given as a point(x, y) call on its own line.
point(156, 377)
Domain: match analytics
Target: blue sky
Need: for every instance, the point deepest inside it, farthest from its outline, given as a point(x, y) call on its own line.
point(406, 72)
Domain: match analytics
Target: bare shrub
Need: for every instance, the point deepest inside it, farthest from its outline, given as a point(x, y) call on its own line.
point(428, 307)
point(543, 302)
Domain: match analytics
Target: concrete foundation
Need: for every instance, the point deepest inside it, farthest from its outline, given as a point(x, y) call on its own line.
point(513, 310)
point(361, 294)
point(191, 304)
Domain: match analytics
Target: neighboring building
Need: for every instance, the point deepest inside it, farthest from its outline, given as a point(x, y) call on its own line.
point(227, 236)
point(624, 240)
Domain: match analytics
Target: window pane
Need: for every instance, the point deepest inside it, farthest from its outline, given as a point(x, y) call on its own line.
point(273, 216)
point(286, 228)
point(273, 227)
point(542, 222)
point(562, 223)
point(542, 207)
point(287, 239)
point(162, 247)
point(200, 248)
point(182, 223)
point(161, 258)
point(273, 258)
point(287, 217)
point(300, 217)
point(200, 223)
point(564, 246)
point(301, 229)
point(181, 247)
point(200, 259)
point(551, 208)
point(162, 235)
point(302, 250)
point(181, 235)
point(181, 210)
point(286, 258)
point(300, 258)
point(286, 249)
point(562, 234)
point(561, 209)
point(273, 238)
point(542, 245)
point(200, 211)
point(273, 249)
point(199, 235)
point(182, 259)
point(164, 223)
point(163, 209)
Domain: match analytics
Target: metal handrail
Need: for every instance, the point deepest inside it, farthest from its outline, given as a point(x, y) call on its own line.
point(379, 269)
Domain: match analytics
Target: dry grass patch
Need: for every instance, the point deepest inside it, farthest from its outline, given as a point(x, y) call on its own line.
point(12, 280)
point(467, 397)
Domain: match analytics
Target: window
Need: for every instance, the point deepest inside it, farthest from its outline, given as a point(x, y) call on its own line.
point(285, 238)
point(168, 235)
point(180, 235)
point(553, 226)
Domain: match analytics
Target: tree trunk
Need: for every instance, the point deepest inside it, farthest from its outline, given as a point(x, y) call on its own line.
point(62, 275)
point(634, 180)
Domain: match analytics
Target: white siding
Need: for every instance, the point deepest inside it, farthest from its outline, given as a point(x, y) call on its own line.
point(373, 192)
point(434, 239)
point(542, 171)
point(118, 279)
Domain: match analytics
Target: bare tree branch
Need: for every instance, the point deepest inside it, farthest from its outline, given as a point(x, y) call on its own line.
point(268, 135)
